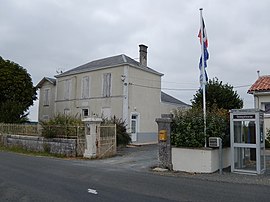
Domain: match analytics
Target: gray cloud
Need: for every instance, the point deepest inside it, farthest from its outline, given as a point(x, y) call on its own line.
point(44, 36)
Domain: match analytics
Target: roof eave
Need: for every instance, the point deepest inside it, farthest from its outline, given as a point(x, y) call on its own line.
point(106, 67)
point(42, 81)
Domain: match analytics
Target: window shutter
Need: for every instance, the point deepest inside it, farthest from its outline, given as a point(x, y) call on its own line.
point(85, 87)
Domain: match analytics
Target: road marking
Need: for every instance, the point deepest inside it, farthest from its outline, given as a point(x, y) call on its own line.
point(92, 191)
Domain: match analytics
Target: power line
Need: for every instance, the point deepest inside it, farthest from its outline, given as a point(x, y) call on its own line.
point(176, 89)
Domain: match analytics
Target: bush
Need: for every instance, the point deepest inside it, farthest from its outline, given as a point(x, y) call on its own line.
point(267, 138)
point(122, 137)
point(60, 126)
point(188, 127)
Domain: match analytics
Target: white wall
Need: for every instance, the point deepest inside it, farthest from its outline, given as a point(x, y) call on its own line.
point(46, 110)
point(199, 160)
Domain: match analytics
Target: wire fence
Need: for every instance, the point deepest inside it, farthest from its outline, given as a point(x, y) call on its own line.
point(49, 131)
point(20, 129)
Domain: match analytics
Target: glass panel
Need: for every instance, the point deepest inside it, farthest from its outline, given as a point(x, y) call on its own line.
point(133, 126)
point(262, 158)
point(245, 132)
point(245, 158)
point(261, 131)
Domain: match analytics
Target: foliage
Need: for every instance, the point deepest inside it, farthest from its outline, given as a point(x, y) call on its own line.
point(60, 126)
point(188, 127)
point(17, 92)
point(122, 137)
point(219, 94)
point(267, 139)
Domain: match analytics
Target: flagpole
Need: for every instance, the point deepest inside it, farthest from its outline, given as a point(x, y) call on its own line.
point(204, 79)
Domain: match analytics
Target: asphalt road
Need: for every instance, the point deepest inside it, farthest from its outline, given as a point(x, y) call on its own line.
point(28, 178)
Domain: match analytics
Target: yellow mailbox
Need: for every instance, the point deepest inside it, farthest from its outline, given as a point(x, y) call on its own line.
point(162, 135)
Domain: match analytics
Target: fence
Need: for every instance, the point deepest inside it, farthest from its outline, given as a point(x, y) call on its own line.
point(106, 142)
point(63, 132)
point(20, 129)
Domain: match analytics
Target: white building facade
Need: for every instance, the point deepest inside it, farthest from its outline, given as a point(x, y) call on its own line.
point(114, 86)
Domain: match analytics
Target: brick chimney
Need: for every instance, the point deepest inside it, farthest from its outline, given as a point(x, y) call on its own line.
point(143, 55)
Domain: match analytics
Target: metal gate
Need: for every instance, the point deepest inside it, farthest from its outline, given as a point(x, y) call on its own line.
point(106, 141)
point(80, 133)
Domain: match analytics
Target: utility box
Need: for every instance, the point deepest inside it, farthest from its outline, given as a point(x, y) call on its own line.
point(214, 141)
point(163, 135)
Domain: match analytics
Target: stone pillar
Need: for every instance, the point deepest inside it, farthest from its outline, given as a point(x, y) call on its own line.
point(91, 134)
point(164, 141)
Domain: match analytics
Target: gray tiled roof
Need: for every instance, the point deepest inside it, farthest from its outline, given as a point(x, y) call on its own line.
point(170, 99)
point(51, 80)
point(106, 63)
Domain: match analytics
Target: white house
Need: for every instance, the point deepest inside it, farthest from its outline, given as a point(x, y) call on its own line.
point(261, 92)
point(113, 86)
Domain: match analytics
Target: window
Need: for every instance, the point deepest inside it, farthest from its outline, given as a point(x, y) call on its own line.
point(267, 108)
point(85, 87)
point(85, 112)
point(46, 101)
point(67, 111)
point(67, 89)
point(107, 80)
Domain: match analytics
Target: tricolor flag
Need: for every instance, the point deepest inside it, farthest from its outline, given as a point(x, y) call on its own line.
point(204, 42)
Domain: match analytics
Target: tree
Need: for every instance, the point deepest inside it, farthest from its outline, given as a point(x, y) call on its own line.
point(219, 95)
point(17, 92)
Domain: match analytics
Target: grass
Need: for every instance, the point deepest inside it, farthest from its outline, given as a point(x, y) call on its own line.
point(17, 149)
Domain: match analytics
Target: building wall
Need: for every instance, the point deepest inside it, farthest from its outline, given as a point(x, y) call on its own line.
point(46, 111)
point(144, 98)
point(169, 108)
point(139, 93)
point(259, 100)
point(95, 103)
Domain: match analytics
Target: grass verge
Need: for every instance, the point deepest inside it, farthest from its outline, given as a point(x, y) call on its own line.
point(21, 150)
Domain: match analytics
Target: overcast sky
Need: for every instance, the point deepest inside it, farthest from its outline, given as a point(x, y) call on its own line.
point(44, 36)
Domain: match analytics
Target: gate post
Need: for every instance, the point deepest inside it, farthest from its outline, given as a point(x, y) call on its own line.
point(91, 134)
point(164, 141)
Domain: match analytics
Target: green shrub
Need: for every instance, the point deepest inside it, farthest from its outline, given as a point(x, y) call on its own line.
point(188, 127)
point(60, 126)
point(122, 137)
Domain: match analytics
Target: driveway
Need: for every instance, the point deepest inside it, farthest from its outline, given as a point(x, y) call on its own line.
point(134, 157)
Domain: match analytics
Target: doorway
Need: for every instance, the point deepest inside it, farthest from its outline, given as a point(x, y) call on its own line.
point(134, 126)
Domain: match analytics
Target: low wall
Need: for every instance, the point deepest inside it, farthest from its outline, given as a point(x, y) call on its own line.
point(205, 160)
point(66, 147)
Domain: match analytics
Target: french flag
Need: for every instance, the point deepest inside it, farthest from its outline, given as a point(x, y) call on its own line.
point(204, 40)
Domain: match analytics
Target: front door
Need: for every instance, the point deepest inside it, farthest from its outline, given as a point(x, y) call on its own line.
point(134, 127)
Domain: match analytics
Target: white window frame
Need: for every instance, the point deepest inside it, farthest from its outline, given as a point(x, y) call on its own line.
point(66, 111)
point(83, 110)
point(47, 96)
point(85, 88)
point(107, 85)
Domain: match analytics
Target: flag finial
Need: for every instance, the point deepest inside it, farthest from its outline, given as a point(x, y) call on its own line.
point(201, 9)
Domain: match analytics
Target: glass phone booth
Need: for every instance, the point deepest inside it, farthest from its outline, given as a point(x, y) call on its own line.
point(247, 141)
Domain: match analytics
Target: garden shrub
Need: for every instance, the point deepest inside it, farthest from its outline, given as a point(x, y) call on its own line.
point(60, 126)
point(122, 137)
point(188, 127)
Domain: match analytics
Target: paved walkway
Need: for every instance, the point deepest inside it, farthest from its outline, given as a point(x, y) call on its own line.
point(135, 157)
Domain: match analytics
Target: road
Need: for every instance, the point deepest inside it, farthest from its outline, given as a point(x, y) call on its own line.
point(28, 178)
